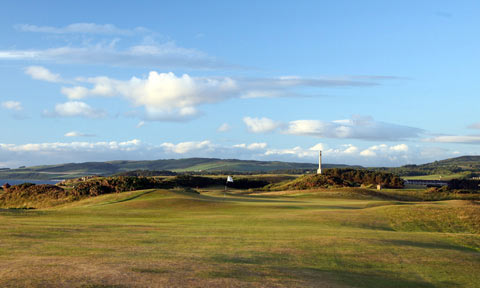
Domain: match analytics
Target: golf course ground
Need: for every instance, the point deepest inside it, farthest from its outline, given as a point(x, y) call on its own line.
point(176, 238)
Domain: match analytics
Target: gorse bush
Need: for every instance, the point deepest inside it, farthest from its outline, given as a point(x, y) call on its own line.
point(23, 194)
point(464, 184)
point(342, 178)
point(108, 185)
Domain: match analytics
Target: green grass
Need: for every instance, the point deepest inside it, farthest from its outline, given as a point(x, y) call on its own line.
point(159, 238)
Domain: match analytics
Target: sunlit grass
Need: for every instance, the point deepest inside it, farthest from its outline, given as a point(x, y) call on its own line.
point(162, 238)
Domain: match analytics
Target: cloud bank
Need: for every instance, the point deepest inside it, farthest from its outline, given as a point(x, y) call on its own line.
point(358, 127)
point(461, 139)
point(14, 155)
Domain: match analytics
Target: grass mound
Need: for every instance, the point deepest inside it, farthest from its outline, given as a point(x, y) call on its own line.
point(461, 217)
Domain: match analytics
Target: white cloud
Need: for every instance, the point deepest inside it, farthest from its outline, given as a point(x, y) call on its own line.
point(350, 149)
point(224, 128)
point(75, 93)
point(71, 146)
point(260, 125)
point(368, 153)
point(364, 128)
point(75, 109)
point(81, 28)
point(400, 148)
point(317, 147)
point(187, 147)
point(252, 146)
point(165, 55)
point(164, 96)
point(359, 127)
point(42, 73)
point(77, 134)
point(385, 150)
point(168, 97)
point(297, 152)
point(140, 124)
point(12, 105)
point(63, 152)
point(465, 139)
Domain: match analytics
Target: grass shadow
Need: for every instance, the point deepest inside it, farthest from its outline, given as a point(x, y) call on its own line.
point(359, 279)
point(430, 245)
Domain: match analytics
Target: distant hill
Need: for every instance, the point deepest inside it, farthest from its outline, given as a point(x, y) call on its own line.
point(459, 167)
point(462, 162)
point(201, 165)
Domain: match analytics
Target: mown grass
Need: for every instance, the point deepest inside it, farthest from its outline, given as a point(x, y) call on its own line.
point(160, 238)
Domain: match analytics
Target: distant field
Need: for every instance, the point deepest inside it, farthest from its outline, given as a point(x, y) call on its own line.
point(159, 238)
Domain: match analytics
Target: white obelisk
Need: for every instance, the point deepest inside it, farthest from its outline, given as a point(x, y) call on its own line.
point(319, 170)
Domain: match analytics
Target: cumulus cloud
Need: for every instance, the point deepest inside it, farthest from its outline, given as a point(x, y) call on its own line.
point(399, 148)
point(260, 125)
point(384, 149)
point(224, 128)
point(187, 147)
point(252, 146)
point(81, 28)
point(12, 105)
point(75, 109)
point(462, 139)
point(377, 155)
point(42, 73)
point(164, 96)
point(317, 147)
point(297, 152)
point(75, 93)
point(168, 97)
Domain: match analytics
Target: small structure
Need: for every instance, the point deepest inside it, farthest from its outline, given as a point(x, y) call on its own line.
point(319, 170)
point(229, 180)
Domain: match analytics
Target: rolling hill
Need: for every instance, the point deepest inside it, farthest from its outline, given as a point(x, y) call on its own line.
point(458, 167)
point(205, 165)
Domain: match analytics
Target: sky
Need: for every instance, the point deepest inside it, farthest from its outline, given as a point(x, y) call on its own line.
point(372, 83)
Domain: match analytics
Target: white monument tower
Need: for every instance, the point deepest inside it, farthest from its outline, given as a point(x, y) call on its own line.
point(319, 170)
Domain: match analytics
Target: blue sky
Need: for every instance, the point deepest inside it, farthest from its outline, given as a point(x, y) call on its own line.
point(375, 83)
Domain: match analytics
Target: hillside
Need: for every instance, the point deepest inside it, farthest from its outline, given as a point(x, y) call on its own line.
point(459, 167)
point(203, 165)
